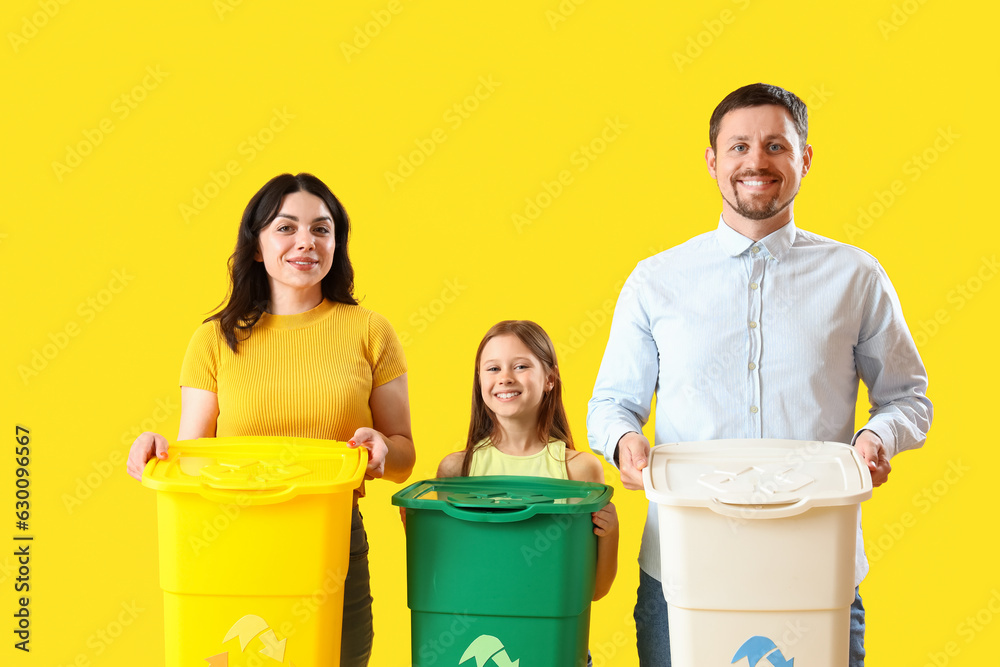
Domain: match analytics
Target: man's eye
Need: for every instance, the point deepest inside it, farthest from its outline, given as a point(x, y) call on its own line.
point(776, 147)
point(739, 149)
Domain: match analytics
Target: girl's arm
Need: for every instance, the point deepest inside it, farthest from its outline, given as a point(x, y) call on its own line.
point(584, 467)
point(199, 412)
point(451, 465)
point(391, 453)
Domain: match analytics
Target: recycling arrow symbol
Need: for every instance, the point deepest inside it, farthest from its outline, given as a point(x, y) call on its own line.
point(756, 649)
point(486, 647)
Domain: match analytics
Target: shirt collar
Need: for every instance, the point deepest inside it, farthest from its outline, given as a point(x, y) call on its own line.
point(776, 243)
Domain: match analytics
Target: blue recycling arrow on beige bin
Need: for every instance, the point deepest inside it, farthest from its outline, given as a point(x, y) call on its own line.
point(485, 647)
point(756, 649)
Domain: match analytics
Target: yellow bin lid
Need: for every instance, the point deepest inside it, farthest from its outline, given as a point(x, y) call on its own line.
point(261, 470)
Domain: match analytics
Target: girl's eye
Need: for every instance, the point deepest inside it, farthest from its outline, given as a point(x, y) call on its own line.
point(283, 228)
point(323, 230)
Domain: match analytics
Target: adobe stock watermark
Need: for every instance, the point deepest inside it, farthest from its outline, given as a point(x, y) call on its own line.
point(957, 298)
point(121, 108)
point(34, 22)
point(697, 44)
point(224, 7)
point(562, 12)
point(454, 117)
point(365, 33)
point(431, 650)
point(967, 630)
point(923, 502)
point(422, 319)
point(914, 168)
point(87, 310)
point(104, 637)
point(86, 485)
point(900, 14)
point(584, 156)
point(248, 150)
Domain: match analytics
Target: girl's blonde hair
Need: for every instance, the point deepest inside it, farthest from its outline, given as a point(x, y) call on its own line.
point(552, 422)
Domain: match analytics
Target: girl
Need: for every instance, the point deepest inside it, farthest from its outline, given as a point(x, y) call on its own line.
point(292, 354)
point(519, 427)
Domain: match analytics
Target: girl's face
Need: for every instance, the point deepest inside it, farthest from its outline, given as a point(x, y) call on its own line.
point(513, 381)
point(297, 247)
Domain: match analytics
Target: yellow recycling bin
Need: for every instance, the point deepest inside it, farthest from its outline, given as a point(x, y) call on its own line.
point(254, 540)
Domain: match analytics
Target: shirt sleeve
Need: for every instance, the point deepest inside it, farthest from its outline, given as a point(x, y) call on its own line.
point(628, 374)
point(385, 353)
point(890, 366)
point(201, 361)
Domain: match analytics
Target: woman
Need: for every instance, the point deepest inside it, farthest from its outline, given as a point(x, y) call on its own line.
point(292, 354)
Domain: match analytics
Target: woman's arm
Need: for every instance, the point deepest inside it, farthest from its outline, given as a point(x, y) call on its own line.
point(390, 441)
point(199, 412)
point(584, 467)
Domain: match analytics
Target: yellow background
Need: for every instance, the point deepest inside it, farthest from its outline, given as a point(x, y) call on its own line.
point(441, 256)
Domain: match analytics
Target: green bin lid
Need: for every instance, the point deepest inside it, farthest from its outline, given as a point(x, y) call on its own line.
point(503, 498)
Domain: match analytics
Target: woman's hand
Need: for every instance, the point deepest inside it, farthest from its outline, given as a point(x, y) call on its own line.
point(145, 447)
point(374, 442)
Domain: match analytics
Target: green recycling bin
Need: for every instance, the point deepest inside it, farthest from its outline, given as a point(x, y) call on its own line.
point(500, 570)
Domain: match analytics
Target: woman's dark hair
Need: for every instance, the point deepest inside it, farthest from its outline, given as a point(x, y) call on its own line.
point(249, 290)
point(552, 421)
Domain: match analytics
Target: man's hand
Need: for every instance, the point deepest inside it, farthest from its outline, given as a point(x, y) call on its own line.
point(633, 456)
point(871, 449)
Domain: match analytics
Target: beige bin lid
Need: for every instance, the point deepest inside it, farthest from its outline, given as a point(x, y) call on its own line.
point(756, 478)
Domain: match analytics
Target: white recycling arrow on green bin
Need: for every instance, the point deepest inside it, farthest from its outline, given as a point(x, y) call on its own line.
point(485, 647)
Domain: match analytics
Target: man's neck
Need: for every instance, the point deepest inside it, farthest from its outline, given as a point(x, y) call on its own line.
point(755, 230)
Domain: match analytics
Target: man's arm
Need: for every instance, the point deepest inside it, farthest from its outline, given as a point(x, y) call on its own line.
point(889, 364)
point(624, 387)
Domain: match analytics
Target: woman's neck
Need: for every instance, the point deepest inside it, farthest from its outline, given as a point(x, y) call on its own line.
point(293, 303)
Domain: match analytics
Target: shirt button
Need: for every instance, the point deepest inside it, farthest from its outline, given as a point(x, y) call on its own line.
point(753, 409)
point(753, 325)
point(755, 250)
point(753, 285)
point(751, 365)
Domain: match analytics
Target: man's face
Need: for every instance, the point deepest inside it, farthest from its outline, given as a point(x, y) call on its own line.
point(758, 163)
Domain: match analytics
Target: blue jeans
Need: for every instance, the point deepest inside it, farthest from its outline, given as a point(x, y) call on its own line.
point(357, 633)
point(653, 640)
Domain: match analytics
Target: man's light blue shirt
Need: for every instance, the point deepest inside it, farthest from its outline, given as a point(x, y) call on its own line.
point(766, 339)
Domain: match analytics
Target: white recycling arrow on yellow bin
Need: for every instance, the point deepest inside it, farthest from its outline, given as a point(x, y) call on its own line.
point(246, 629)
point(272, 647)
point(485, 647)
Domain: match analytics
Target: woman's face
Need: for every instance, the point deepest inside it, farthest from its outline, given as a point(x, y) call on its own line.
point(297, 248)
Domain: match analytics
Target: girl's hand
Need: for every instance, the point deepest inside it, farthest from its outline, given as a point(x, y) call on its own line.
point(145, 447)
point(373, 441)
point(605, 521)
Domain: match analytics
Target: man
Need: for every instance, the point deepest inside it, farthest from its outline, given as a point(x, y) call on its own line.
point(755, 330)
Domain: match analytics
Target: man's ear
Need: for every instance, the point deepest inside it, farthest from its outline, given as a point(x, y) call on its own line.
point(807, 158)
point(710, 161)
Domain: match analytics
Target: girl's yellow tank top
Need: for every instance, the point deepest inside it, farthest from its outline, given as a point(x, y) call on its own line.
point(550, 462)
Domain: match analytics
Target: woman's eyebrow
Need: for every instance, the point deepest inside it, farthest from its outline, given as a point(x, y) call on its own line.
point(322, 218)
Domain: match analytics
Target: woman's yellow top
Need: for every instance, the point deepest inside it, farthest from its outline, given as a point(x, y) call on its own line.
point(308, 375)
